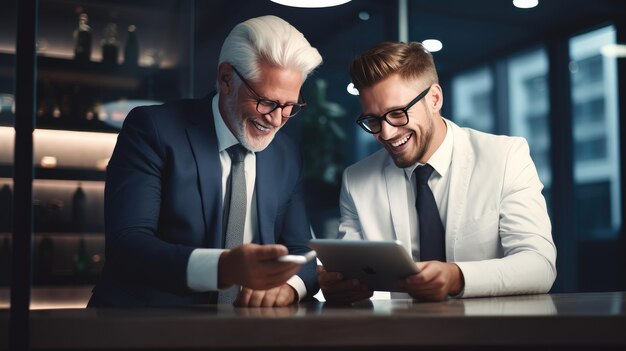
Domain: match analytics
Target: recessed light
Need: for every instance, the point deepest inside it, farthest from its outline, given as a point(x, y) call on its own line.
point(614, 50)
point(311, 3)
point(525, 4)
point(352, 90)
point(364, 15)
point(48, 162)
point(432, 45)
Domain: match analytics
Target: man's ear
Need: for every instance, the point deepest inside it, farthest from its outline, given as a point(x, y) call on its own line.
point(225, 78)
point(436, 100)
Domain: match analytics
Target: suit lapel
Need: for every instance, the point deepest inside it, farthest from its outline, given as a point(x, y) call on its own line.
point(462, 159)
point(266, 194)
point(395, 181)
point(203, 142)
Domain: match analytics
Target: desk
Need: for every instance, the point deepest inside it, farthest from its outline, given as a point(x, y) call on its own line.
point(588, 320)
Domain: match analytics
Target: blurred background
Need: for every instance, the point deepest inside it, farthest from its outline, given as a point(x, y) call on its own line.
point(553, 73)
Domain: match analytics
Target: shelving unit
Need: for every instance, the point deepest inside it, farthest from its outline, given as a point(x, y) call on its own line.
point(69, 230)
point(80, 107)
point(73, 95)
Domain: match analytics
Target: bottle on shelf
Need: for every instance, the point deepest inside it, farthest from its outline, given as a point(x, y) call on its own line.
point(80, 261)
point(131, 49)
point(78, 226)
point(110, 45)
point(78, 210)
point(82, 39)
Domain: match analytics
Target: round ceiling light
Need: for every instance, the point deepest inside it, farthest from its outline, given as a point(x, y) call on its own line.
point(311, 3)
point(614, 50)
point(525, 4)
point(432, 45)
point(352, 90)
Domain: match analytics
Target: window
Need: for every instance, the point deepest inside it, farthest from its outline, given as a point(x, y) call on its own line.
point(529, 106)
point(596, 139)
point(472, 102)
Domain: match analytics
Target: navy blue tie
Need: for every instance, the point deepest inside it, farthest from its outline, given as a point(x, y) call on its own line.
point(432, 234)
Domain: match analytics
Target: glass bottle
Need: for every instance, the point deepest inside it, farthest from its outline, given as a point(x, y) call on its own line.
point(78, 210)
point(82, 39)
point(80, 261)
point(131, 49)
point(110, 45)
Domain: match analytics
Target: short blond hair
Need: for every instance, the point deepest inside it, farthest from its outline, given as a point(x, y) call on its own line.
point(411, 61)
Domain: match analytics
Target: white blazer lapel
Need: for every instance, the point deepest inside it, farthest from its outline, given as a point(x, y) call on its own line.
point(395, 180)
point(462, 159)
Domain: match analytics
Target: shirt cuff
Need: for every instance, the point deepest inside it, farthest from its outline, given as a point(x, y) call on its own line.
point(297, 283)
point(202, 269)
point(202, 272)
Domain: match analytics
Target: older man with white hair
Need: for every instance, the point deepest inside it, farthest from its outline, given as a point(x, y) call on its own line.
point(203, 196)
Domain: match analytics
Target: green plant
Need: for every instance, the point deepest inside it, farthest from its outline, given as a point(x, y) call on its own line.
point(322, 136)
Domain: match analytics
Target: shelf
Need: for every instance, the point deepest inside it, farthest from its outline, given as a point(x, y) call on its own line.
point(74, 95)
point(59, 174)
point(52, 297)
point(61, 154)
point(8, 120)
point(91, 73)
point(55, 257)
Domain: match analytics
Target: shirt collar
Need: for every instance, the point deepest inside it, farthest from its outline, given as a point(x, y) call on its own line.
point(225, 137)
point(441, 159)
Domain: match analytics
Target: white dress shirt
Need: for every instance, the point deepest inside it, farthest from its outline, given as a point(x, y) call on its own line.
point(202, 267)
point(439, 183)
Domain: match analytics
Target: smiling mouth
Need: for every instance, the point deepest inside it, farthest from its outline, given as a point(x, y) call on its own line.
point(260, 127)
point(402, 141)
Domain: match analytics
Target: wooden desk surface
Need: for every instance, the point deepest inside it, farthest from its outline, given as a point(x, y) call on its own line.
point(593, 320)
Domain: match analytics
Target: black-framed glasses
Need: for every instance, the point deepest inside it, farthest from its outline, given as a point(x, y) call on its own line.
point(266, 106)
point(397, 117)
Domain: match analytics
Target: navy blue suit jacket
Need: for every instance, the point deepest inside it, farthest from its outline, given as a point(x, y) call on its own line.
point(163, 199)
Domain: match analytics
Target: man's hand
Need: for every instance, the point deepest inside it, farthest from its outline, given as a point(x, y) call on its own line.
point(280, 296)
point(435, 282)
point(255, 267)
point(338, 290)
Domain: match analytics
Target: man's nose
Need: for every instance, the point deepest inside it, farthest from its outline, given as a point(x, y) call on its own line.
point(275, 118)
point(387, 131)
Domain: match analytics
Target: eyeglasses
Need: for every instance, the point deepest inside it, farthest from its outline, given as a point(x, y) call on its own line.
point(397, 117)
point(265, 106)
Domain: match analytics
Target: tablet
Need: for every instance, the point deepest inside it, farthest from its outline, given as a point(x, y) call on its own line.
point(378, 264)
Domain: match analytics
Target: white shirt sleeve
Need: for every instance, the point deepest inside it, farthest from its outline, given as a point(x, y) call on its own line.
point(202, 272)
point(202, 269)
point(297, 283)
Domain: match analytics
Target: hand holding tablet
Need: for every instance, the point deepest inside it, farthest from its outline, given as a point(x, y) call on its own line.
point(377, 264)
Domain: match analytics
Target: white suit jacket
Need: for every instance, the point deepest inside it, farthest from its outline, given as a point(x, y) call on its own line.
point(497, 227)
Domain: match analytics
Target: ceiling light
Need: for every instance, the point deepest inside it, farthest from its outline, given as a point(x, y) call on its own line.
point(525, 4)
point(364, 15)
point(432, 45)
point(352, 90)
point(614, 50)
point(311, 3)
